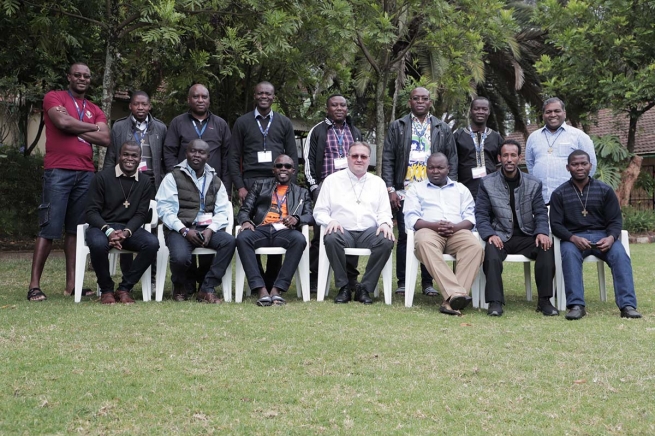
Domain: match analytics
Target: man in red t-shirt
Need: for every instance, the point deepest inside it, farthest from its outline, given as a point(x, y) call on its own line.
point(72, 124)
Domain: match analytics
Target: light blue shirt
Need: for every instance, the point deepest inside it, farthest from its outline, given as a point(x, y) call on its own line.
point(452, 202)
point(168, 204)
point(550, 166)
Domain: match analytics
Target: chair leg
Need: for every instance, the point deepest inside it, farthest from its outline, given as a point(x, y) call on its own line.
point(477, 291)
point(239, 279)
point(146, 285)
point(226, 283)
point(601, 280)
point(411, 266)
point(80, 266)
point(160, 278)
point(528, 281)
point(387, 279)
point(323, 273)
point(303, 276)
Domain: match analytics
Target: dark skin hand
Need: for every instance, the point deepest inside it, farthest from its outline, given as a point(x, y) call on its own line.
point(193, 237)
point(584, 244)
point(116, 237)
point(394, 199)
point(444, 228)
point(291, 222)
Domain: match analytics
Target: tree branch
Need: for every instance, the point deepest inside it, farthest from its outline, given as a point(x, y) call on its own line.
point(81, 17)
point(128, 20)
point(131, 29)
point(367, 55)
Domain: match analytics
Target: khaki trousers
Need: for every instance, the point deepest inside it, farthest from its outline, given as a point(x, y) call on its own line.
point(463, 246)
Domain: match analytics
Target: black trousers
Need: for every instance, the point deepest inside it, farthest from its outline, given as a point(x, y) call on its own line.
point(544, 269)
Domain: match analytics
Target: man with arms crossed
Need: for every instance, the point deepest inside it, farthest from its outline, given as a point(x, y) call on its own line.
point(354, 207)
point(585, 214)
point(72, 124)
point(440, 210)
point(512, 219)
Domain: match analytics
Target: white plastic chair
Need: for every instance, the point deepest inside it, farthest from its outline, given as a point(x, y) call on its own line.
point(412, 264)
point(325, 271)
point(82, 251)
point(559, 277)
point(302, 273)
point(164, 254)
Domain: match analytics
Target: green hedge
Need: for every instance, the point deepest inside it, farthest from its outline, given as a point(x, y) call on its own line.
point(20, 192)
point(638, 221)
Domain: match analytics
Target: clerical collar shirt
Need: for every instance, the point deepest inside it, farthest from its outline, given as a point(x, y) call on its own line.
point(119, 173)
point(547, 153)
point(356, 204)
point(452, 202)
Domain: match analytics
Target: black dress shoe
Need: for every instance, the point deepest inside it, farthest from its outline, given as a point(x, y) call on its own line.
point(362, 295)
point(544, 306)
point(575, 312)
point(630, 312)
point(343, 296)
point(495, 309)
point(459, 301)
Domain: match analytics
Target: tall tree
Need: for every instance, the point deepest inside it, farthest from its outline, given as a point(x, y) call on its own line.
point(606, 59)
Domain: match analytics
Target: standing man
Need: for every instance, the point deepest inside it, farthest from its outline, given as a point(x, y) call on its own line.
point(72, 124)
point(325, 153)
point(478, 146)
point(354, 208)
point(407, 146)
point(193, 205)
point(117, 208)
point(145, 130)
point(199, 123)
point(149, 133)
point(585, 214)
point(548, 148)
point(440, 210)
point(258, 138)
point(512, 218)
point(271, 216)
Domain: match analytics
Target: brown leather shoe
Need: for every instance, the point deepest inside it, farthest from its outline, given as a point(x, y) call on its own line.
point(208, 297)
point(107, 298)
point(179, 293)
point(123, 296)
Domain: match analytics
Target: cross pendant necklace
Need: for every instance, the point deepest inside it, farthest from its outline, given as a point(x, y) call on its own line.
point(584, 206)
point(126, 203)
point(358, 198)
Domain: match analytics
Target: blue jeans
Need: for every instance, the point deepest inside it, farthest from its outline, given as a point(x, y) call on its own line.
point(180, 252)
point(266, 236)
point(617, 259)
point(144, 243)
point(63, 201)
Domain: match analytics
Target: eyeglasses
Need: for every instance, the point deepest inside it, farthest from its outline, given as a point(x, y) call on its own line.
point(358, 156)
point(287, 166)
point(78, 75)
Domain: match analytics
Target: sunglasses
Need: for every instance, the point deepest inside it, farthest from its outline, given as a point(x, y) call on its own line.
point(78, 75)
point(287, 166)
point(359, 156)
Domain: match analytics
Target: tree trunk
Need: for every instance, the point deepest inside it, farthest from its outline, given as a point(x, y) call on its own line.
point(32, 146)
point(628, 179)
point(107, 92)
point(380, 89)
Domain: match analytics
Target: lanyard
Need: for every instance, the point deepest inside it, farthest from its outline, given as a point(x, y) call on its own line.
point(479, 147)
point(142, 132)
point(200, 132)
point(202, 191)
point(265, 132)
point(80, 113)
point(340, 138)
point(279, 202)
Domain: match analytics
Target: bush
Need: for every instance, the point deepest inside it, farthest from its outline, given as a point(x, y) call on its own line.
point(20, 192)
point(638, 221)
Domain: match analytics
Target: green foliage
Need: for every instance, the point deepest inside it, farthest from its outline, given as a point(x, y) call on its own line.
point(612, 159)
point(638, 221)
point(20, 192)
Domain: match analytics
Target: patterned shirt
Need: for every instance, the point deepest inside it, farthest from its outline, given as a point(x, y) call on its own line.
point(419, 151)
point(332, 149)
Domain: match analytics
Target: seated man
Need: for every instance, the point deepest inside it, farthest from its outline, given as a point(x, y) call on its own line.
point(192, 203)
point(440, 210)
point(271, 216)
point(354, 207)
point(118, 201)
point(512, 218)
point(585, 214)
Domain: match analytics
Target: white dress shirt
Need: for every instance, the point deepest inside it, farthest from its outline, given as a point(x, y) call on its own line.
point(339, 197)
point(452, 202)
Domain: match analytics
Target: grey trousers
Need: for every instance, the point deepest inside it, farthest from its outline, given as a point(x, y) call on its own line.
point(380, 248)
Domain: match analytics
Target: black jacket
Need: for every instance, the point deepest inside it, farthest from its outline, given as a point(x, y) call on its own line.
point(398, 143)
point(314, 152)
point(258, 201)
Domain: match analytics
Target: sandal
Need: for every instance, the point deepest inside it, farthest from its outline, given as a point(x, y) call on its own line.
point(430, 291)
point(86, 292)
point(36, 294)
point(278, 301)
point(265, 301)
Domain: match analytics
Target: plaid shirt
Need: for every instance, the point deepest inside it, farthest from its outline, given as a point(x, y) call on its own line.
point(332, 147)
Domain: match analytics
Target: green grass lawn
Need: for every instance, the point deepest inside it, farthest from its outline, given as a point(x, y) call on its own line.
point(321, 368)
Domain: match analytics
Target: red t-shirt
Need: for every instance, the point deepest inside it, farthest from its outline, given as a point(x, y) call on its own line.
point(63, 150)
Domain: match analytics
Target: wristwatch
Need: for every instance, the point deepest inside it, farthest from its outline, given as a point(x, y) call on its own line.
point(184, 232)
point(391, 189)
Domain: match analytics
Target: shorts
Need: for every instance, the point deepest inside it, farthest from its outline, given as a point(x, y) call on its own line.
point(64, 201)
